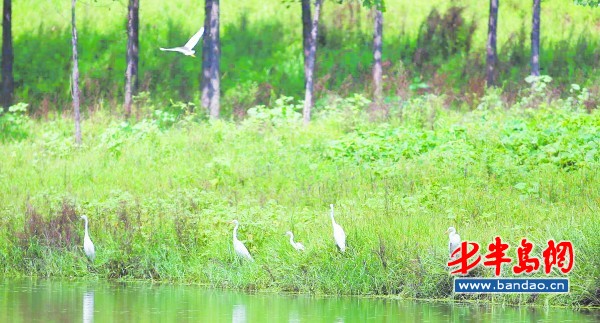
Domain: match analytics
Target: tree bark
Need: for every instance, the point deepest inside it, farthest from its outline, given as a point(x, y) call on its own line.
point(377, 50)
point(491, 43)
point(535, 39)
point(308, 97)
point(306, 30)
point(131, 73)
point(206, 45)
point(215, 74)
point(75, 76)
point(8, 83)
point(211, 56)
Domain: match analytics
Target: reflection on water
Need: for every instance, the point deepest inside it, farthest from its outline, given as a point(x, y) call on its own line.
point(239, 314)
point(88, 307)
point(56, 301)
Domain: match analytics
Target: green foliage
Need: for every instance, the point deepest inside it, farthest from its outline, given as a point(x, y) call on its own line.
point(14, 123)
point(160, 198)
point(560, 137)
point(240, 98)
point(579, 96)
point(262, 50)
point(284, 111)
point(537, 93)
point(351, 109)
point(563, 138)
point(591, 3)
point(377, 4)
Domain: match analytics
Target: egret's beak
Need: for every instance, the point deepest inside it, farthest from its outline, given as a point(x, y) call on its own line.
point(193, 55)
point(446, 232)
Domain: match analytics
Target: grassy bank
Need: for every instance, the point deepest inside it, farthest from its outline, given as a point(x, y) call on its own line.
point(160, 194)
point(261, 53)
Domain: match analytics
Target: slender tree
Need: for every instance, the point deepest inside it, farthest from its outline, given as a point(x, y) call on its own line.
point(306, 30)
point(310, 69)
point(6, 96)
point(491, 43)
point(215, 75)
point(211, 54)
point(206, 45)
point(131, 73)
point(377, 49)
point(75, 76)
point(535, 39)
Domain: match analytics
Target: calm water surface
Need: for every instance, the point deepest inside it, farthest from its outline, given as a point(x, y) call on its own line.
point(66, 301)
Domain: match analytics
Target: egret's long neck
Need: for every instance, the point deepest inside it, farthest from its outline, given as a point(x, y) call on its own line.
point(332, 219)
point(86, 228)
point(235, 231)
point(292, 239)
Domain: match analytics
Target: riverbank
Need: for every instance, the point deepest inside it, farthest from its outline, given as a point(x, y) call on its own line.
point(160, 193)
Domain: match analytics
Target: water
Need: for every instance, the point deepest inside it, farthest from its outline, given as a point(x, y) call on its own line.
point(65, 301)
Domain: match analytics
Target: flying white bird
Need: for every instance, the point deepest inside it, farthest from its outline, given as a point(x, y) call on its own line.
point(238, 246)
point(187, 49)
point(88, 246)
point(454, 240)
point(338, 233)
point(297, 245)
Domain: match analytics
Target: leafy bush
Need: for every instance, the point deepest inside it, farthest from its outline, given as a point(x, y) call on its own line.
point(14, 124)
point(554, 135)
point(240, 98)
point(116, 135)
point(350, 110)
point(283, 112)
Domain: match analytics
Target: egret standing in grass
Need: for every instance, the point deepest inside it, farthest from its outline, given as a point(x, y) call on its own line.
point(238, 246)
point(187, 49)
point(338, 233)
point(88, 245)
point(454, 240)
point(297, 245)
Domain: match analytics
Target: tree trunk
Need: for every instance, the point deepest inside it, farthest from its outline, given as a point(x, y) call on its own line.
point(206, 45)
point(306, 30)
point(535, 39)
point(491, 43)
point(131, 74)
point(310, 70)
point(75, 76)
point(6, 97)
point(377, 49)
point(215, 80)
point(211, 55)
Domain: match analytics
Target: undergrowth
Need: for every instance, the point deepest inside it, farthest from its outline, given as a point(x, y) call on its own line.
point(160, 194)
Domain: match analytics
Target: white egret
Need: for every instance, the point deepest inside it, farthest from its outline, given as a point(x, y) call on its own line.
point(187, 49)
point(238, 246)
point(88, 246)
point(297, 245)
point(454, 240)
point(338, 233)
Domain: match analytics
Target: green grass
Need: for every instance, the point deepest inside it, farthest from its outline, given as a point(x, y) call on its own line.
point(261, 51)
point(160, 194)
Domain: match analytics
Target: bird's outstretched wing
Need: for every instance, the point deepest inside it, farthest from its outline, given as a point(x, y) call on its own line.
point(195, 39)
point(175, 49)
